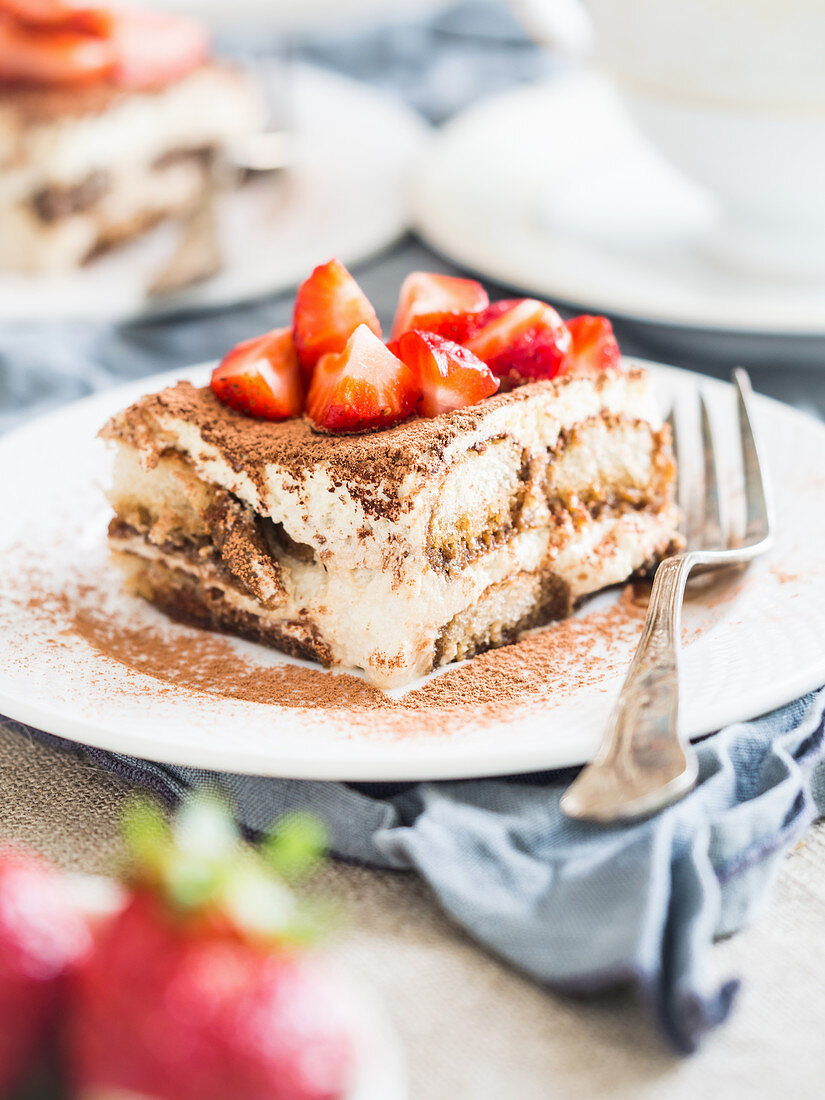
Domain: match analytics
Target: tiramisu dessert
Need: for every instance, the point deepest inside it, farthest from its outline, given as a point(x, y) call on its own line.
point(108, 118)
point(394, 507)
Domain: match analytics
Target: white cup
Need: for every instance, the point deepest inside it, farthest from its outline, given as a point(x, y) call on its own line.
point(733, 93)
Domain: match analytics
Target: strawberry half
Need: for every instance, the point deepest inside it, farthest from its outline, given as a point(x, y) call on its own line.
point(527, 343)
point(41, 936)
point(261, 377)
point(595, 348)
point(53, 56)
point(362, 388)
point(449, 375)
point(59, 14)
point(329, 307)
point(496, 309)
point(439, 303)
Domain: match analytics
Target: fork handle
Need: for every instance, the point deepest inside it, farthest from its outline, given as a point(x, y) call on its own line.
point(642, 763)
point(645, 720)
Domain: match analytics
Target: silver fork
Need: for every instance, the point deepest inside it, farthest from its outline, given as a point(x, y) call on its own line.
point(643, 764)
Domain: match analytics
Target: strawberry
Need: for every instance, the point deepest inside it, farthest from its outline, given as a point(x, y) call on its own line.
point(54, 56)
point(527, 343)
point(438, 303)
point(201, 987)
point(59, 14)
point(54, 44)
point(329, 307)
point(449, 375)
point(363, 388)
point(261, 377)
point(594, 346)
point(41, 936)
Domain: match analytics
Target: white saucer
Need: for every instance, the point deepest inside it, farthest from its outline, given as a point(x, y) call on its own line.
point(548, 189)
point(756, 646)
point(345, 197)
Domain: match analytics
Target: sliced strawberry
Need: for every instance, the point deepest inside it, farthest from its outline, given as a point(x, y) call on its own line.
point(58, 14)
point(450, 376)
point(362, 388)
point(595, 348)
point(527, 343)
point(496, 309)
point(59, 57)
point(156, 48)
point(262, 377)
point(329, 307)
point(439, 303)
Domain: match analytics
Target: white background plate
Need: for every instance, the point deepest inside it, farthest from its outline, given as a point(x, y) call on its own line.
point(755, 649)
point(548, 188)
point(345, 197)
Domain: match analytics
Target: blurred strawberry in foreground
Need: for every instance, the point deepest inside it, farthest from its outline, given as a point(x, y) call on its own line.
point(202, 987)
point(41, 935)
point(594, 346)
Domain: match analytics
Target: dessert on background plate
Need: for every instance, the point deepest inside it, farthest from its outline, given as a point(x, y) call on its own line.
point(109, 117)
point(395, 507)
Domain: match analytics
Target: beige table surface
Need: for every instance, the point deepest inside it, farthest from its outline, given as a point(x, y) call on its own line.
point(472, 1027)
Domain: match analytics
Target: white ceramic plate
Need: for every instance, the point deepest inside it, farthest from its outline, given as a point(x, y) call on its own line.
point(345, 197)
point(547, 188)
point(749, 649)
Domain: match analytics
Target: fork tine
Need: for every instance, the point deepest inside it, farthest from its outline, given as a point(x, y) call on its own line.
point(712, 534)
point(688, 478)
point(758, 510)
point(681, 496)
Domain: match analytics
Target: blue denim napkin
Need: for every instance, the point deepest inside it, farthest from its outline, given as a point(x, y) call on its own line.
point(579, 907)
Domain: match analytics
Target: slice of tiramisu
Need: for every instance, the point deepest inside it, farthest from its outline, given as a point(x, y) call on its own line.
point(413, 515)
point(108, 120)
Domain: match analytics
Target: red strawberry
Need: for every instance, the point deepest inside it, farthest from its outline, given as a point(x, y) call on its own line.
point(363, 388)
point(56, 14)
point(527, 343)
point(494, 310)
point(201, 988)
point(329, 307)
point(60, 56)
point(41, 935)
point(449, 375)
point(261, 377)
point(594, 346)
point(439, 303)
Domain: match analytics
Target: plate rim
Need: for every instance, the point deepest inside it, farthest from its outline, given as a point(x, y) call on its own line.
point(429, 228)
point(431, 760)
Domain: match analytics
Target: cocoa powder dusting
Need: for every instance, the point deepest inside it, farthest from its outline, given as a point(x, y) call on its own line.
point(555, 661)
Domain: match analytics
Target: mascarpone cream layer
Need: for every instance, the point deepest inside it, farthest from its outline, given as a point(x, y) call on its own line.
point(469, 476)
